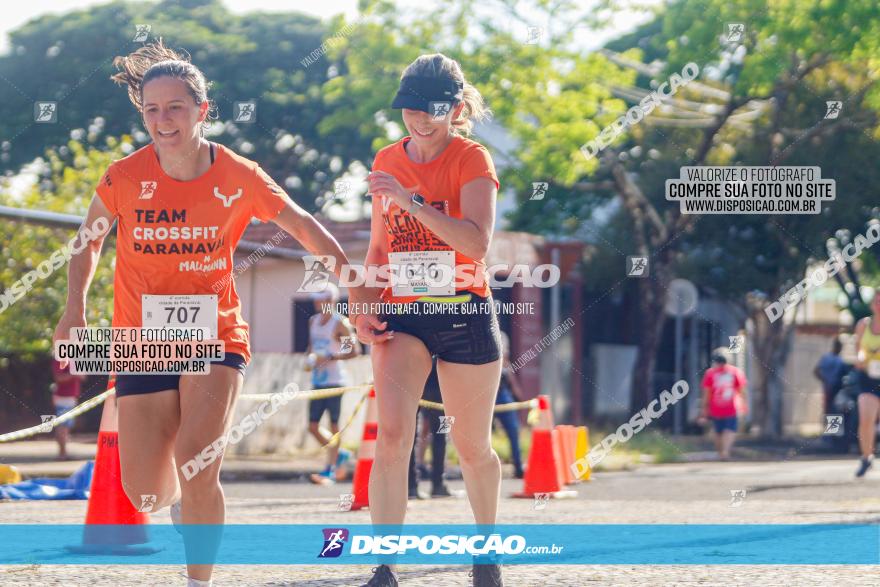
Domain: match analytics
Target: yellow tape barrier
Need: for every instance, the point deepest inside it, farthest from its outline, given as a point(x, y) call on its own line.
point(309, 394)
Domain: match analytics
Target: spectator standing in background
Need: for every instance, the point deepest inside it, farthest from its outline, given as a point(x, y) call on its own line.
point(65, 394)
point(724, 395)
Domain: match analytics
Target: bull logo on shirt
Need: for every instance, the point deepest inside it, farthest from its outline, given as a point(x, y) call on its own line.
point(148, 188)
point(227, 200)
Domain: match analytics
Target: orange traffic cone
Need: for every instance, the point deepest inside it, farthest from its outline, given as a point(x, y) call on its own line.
point(566, 452)
point(366, 454)
point(113, 525)
point(543, 472)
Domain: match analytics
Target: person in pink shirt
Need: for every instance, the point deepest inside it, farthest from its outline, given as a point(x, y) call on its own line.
point(724, 396)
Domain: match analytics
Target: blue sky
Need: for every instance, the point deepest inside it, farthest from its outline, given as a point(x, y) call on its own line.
point(16, 14)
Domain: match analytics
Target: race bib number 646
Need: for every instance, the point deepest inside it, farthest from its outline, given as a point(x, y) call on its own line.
point(430, 273)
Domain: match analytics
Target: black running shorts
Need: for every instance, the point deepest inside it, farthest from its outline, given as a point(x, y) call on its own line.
point(453, 331)
point(138, 384)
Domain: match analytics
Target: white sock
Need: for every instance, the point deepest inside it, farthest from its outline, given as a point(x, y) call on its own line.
point(190, 582)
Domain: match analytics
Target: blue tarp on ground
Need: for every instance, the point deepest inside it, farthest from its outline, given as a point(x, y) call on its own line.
point(74, 487)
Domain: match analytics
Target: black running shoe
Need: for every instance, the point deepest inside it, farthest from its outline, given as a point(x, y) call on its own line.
point(864, 465)
point(440, 491)
point(383, 576)
point(487, 576)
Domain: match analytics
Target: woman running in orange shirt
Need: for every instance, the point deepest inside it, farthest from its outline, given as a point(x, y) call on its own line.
point(182, 204)
point(433, 214)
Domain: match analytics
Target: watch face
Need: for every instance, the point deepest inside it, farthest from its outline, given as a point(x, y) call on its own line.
point(418, 199)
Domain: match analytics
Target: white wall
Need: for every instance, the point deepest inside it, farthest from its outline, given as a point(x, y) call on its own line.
point(802, 400)
point(286, 432)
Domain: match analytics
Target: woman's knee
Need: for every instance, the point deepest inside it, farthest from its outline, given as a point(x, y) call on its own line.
point(472, 453)
point(394, 440)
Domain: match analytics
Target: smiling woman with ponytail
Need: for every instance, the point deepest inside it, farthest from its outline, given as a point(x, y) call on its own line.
point(182, 203)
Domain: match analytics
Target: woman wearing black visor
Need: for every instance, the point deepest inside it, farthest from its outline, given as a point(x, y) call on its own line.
point(433, 215)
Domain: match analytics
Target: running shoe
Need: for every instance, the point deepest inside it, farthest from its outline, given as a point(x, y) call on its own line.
point(325, 477)
point(487, 576)
point(444, 491)
point(342, 460)
point(190, 582)
point(440, 491)
point(864, 465)
point(383, 576)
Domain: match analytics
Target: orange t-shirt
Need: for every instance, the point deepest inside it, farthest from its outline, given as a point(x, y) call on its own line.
point(439, 181)
point(177, 237)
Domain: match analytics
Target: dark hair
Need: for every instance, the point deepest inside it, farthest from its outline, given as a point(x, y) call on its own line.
point(155, 60)
point(836, 346)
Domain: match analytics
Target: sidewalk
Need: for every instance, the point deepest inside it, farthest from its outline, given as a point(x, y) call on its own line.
point(39, 458)
point(803, 492)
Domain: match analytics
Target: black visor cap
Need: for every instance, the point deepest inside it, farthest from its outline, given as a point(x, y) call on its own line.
point(417, 92)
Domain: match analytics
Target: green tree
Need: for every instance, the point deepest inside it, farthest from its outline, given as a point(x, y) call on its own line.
point(66, 184)
point(760, 102)
point(253, 56)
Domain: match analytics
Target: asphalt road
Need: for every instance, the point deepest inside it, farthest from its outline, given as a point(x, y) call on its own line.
point(801, 491)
